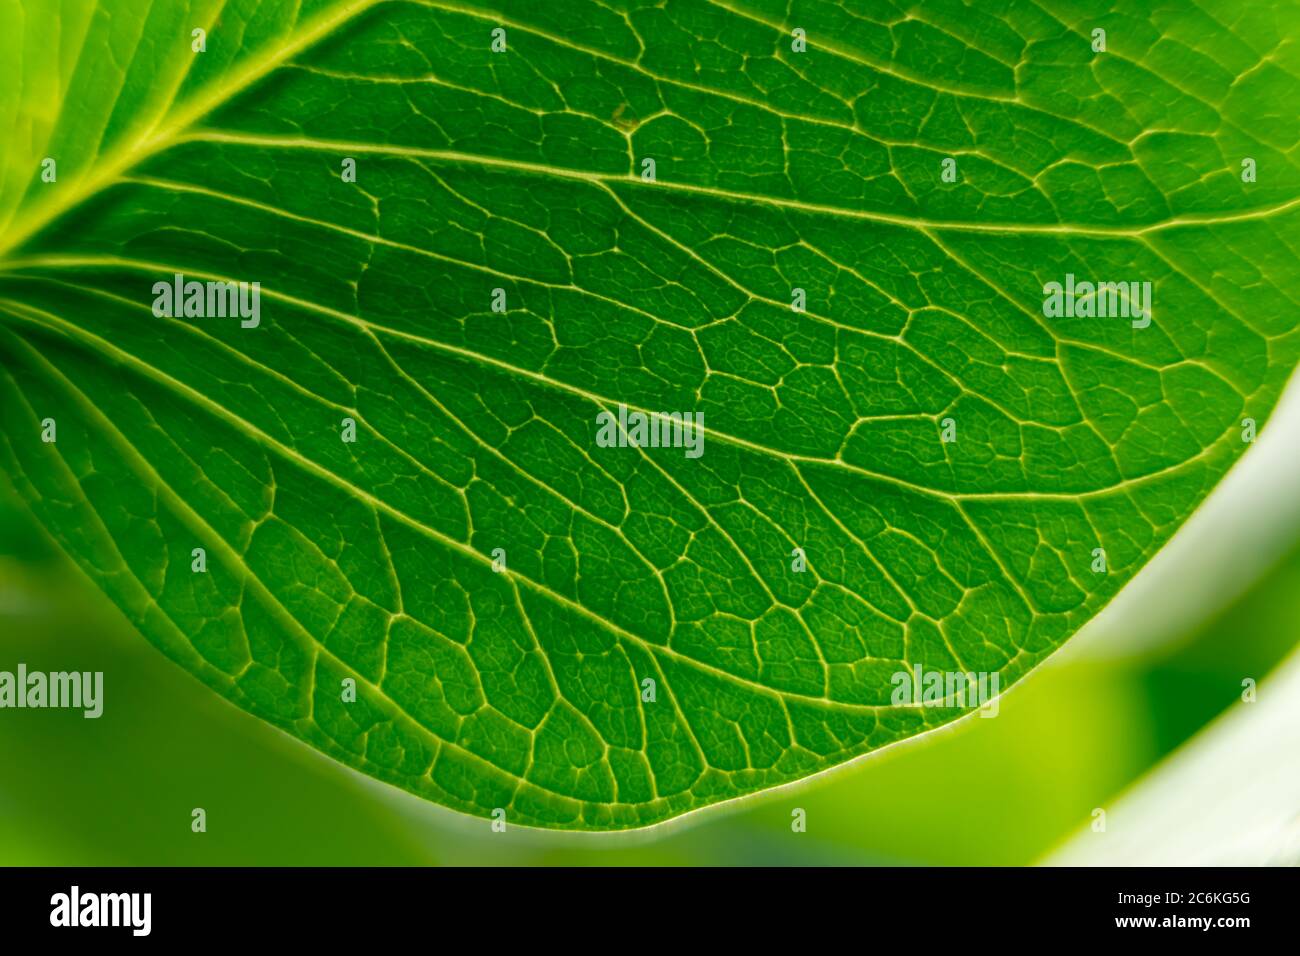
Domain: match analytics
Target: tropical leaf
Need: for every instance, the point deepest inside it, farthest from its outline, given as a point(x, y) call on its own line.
point(598, 637)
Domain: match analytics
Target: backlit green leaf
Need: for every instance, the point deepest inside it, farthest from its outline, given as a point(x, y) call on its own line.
point(907, 463)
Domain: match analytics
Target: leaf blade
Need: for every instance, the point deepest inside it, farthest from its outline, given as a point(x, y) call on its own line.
point(373, 562)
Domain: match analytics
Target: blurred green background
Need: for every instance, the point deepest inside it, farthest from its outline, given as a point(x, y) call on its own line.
point(1164, 660)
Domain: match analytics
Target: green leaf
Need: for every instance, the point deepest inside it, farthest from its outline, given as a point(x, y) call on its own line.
point(372, 561)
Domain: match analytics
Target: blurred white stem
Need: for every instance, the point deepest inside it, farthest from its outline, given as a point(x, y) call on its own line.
point(1231, 796)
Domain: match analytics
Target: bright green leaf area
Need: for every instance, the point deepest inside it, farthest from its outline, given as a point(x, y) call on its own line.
point(476, 430)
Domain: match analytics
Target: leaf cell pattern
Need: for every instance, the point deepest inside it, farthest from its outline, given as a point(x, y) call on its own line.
point(521, 171)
